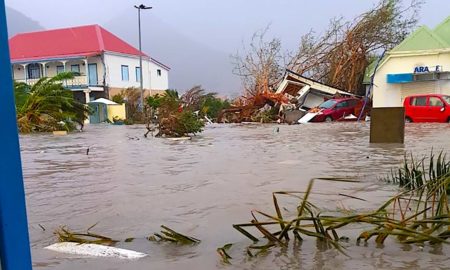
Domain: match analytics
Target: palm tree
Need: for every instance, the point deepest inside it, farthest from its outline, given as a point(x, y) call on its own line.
point(47, 105)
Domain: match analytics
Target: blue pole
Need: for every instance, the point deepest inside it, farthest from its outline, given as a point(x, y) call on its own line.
point(14, 242)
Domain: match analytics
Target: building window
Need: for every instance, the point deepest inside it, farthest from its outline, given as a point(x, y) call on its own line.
point(59, 69)
point(158, 72)
point(125, 73)
point(75, 69)
point(34, 71)
point(419, 101)
point(138, 74)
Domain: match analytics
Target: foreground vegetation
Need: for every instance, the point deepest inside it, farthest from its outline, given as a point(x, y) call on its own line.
point(416, 173)
point(48, 106)
point(418, 215)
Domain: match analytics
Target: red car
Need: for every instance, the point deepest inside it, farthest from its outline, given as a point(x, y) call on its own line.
point(427, 108)
point(336, 109)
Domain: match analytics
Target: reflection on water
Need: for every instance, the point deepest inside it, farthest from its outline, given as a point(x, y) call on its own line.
point(201, 187)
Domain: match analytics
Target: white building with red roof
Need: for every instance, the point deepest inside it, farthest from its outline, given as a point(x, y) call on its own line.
point(103, 63)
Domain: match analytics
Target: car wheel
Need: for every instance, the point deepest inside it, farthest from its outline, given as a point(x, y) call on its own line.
point(408, 120)
point(328, 119)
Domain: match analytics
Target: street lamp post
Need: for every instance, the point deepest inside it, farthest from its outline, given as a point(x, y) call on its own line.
point(141, 6)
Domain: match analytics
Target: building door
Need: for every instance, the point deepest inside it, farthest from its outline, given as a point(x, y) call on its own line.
point(59, 69)
point(34, 71)
point(93, 77)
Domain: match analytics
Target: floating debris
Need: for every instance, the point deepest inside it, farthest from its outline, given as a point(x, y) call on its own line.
point(223, 253)
point(65, 235)
point(60, 133)
point(179, 139)
point(169, 235)
point(95, 250)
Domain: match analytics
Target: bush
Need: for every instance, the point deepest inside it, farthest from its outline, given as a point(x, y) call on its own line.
point(119, 98)
point(211, 106)
point(173, 119)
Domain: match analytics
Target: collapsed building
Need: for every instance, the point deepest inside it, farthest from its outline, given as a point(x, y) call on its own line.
point(293, 98)
point(304, 94)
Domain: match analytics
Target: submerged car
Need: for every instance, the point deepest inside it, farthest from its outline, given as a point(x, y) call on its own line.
point(336, 109)
point(427, 108)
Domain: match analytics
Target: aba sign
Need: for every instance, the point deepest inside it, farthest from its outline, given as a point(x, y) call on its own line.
point(426, 69)
point(421, 70)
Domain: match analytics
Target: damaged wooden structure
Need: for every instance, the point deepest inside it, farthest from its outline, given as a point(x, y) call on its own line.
point(293, 98)
point(309, 93)
point(305, 94)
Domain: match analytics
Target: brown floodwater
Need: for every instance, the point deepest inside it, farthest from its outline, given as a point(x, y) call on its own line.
point(130, 186)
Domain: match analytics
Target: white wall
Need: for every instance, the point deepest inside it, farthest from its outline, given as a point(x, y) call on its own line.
point(158, 82)
point(151, 80)
point(390, 95)
point(313, 100)
point(18, 72)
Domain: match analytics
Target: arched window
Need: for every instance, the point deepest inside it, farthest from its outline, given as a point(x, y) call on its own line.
point(34, 71)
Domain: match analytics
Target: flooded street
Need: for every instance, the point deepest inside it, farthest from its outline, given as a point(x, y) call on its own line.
point(130, 186)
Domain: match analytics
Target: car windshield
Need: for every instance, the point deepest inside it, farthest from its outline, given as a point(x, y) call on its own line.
point(447, 99)
point(328, 104)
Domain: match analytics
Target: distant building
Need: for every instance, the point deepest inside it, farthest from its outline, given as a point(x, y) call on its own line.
point(419, 65)
point(103, 63)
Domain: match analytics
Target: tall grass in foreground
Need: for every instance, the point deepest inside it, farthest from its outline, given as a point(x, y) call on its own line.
point(416, 216)
point(414, 174)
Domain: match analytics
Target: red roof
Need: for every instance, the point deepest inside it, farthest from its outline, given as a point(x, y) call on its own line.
point(68, 42)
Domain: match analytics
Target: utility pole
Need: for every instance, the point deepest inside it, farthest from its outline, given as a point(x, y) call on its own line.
point(141, 79)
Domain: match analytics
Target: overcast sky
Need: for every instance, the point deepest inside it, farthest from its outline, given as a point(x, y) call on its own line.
point(221, 25)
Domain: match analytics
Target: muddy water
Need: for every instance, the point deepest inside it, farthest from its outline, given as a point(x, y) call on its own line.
point(130, 186)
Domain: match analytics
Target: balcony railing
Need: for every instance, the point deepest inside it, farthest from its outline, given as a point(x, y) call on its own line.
point(76, 83)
